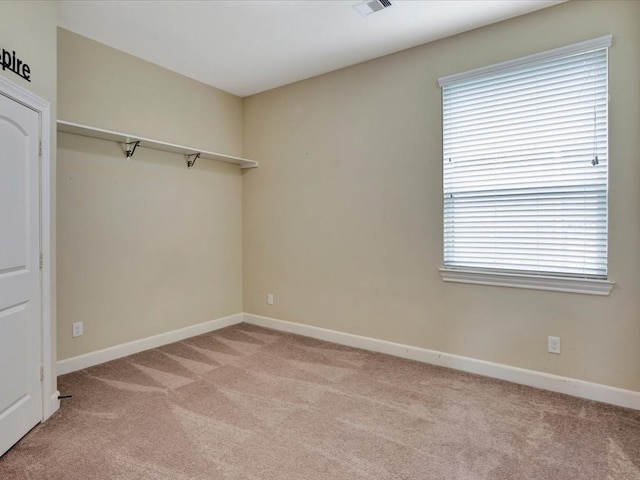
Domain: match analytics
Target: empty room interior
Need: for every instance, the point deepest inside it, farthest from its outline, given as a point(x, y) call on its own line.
point(311, 240)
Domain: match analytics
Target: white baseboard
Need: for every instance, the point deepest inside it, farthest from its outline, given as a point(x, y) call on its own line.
point(532, 378)
point(86, 360)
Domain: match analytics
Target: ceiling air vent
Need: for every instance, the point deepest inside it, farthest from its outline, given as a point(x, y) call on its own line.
point(372, 6)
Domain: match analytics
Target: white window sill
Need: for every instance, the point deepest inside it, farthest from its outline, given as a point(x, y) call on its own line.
point(535, 282)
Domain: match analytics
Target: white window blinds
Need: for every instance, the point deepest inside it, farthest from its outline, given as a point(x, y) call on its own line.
point(525, 164)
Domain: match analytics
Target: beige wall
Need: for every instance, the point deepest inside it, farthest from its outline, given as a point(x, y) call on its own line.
point(29, 28)
point(106, 88)
point(342, 221)
point(145, 246)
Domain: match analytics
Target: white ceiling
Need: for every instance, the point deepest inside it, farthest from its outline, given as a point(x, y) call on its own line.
point(248, 46)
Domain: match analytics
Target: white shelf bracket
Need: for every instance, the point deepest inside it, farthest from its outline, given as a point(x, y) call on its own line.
point(191, 159)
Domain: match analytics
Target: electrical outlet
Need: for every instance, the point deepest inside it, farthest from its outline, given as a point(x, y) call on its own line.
point(554, 345)
point(77, 330)
point(269, 298)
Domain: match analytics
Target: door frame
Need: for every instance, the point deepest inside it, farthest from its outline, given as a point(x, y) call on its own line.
point(50, 401)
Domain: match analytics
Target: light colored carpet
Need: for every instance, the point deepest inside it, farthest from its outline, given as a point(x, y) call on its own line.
point(246, 403)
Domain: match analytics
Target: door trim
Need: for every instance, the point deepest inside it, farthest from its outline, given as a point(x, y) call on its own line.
point(50, 401)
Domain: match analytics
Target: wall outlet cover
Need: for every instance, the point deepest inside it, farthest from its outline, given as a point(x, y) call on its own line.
point(77, 329)
point(554, 345)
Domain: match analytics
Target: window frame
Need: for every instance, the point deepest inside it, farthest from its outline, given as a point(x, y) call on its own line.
point(529, 280)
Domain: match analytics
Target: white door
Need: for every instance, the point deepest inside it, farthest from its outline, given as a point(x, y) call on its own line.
point(20, 322)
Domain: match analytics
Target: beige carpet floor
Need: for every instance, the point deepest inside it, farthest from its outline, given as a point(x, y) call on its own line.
point(246, 403)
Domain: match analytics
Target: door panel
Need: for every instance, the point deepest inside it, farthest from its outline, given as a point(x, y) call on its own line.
point(13, 203)
point(20, 317)
point(13, 343)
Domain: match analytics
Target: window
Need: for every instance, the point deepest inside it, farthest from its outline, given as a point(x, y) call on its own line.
point(525, 169)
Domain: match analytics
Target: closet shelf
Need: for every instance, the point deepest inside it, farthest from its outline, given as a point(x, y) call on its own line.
point(130, 142)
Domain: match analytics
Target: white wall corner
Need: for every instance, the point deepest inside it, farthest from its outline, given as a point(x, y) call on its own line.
point(531, 378)
point(90, 359)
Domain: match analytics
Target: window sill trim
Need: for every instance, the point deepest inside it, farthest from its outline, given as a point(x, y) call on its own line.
point(534, 282)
